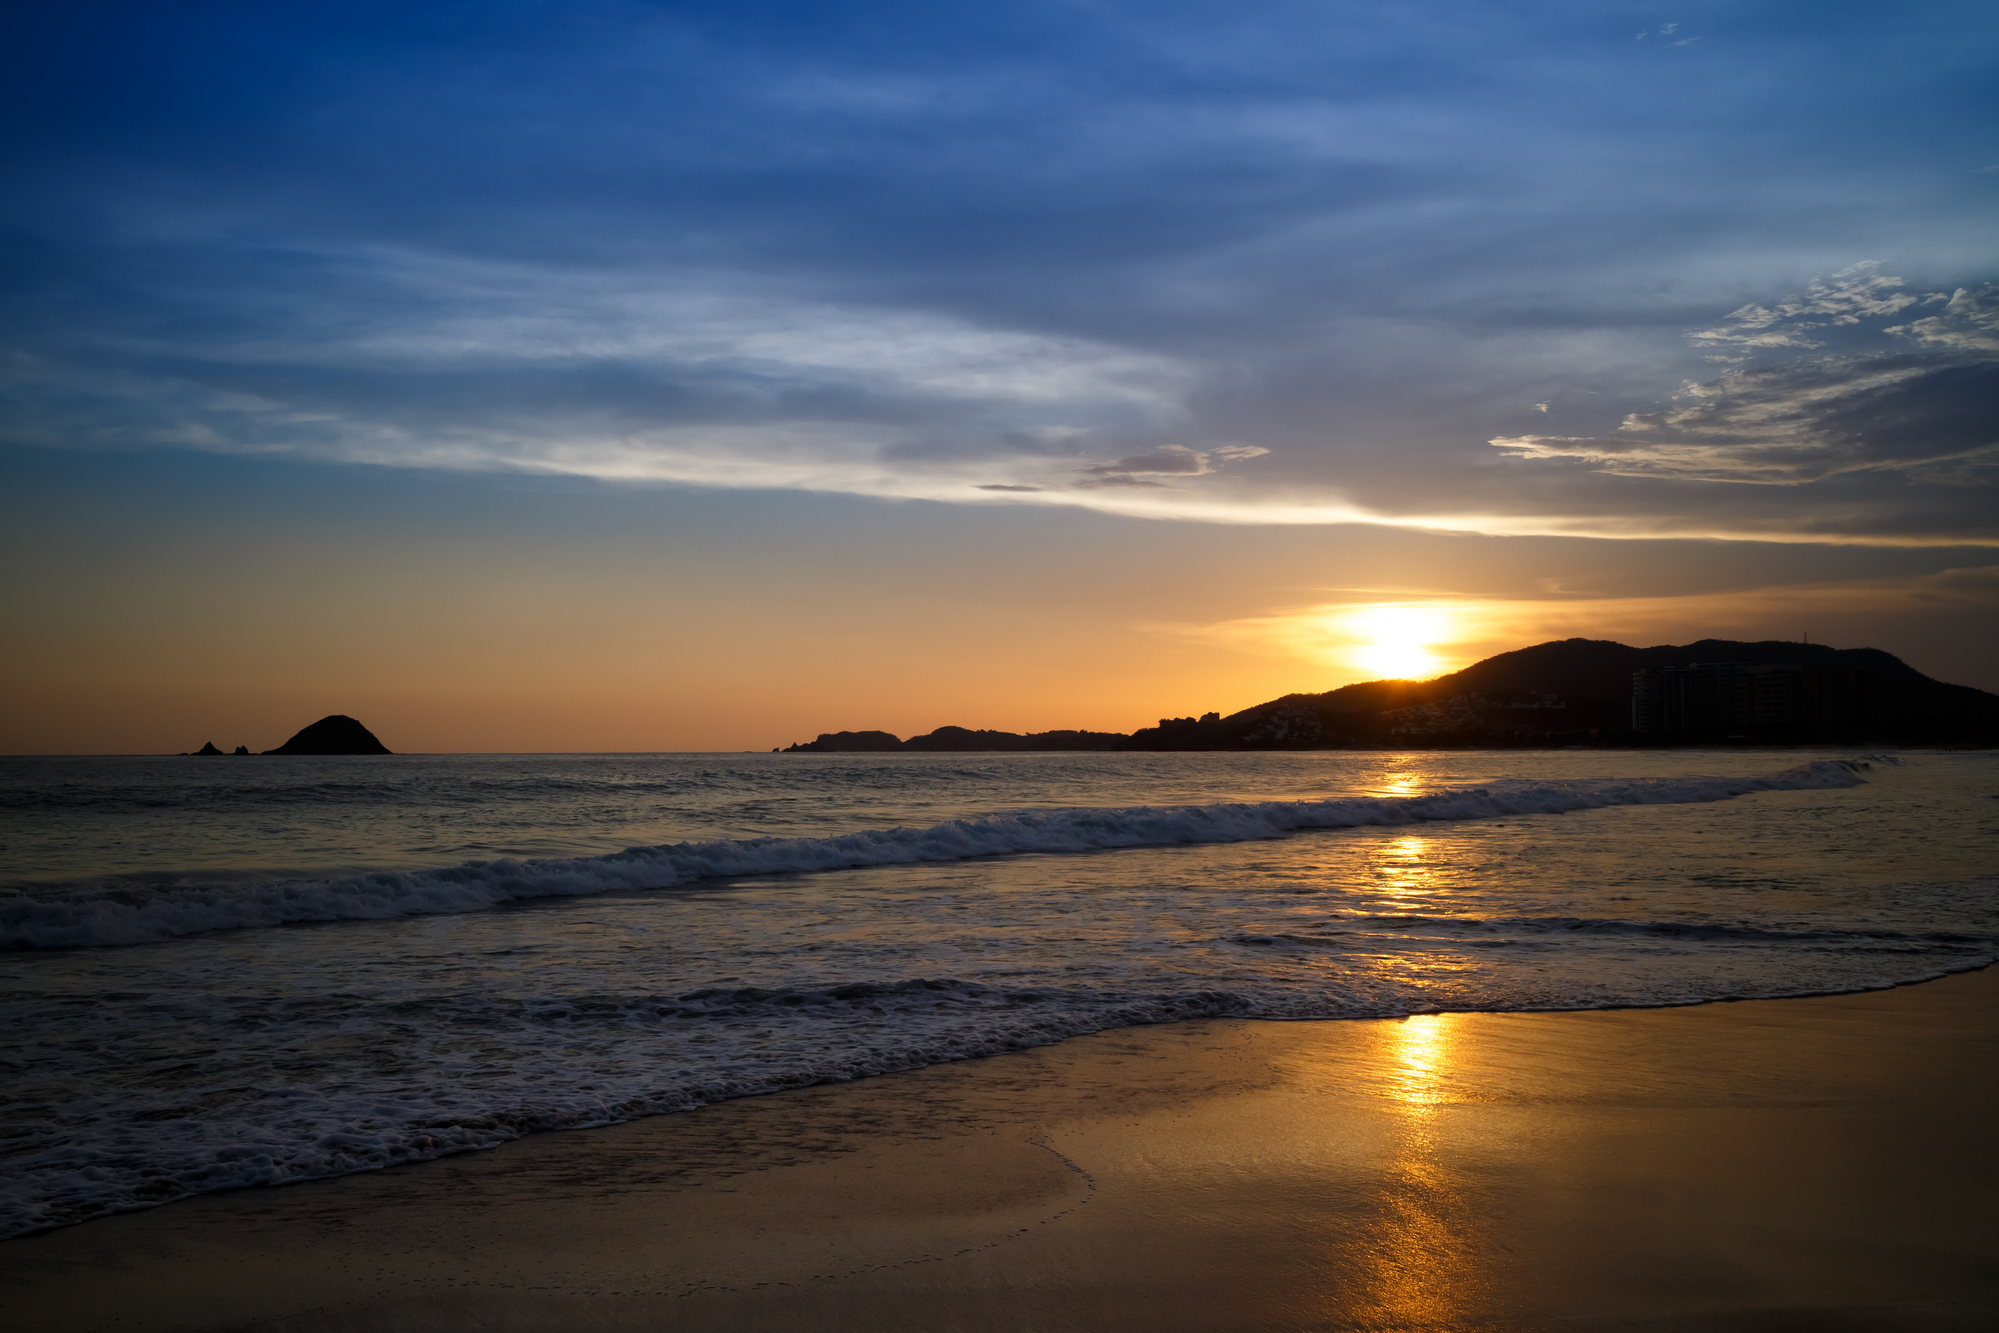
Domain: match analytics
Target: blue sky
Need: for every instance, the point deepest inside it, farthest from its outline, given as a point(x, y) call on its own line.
point(1606, 272)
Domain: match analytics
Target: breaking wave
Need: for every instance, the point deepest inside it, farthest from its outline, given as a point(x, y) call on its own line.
point(126, 911)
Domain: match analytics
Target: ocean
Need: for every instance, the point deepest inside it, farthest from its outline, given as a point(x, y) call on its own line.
point(251, 971)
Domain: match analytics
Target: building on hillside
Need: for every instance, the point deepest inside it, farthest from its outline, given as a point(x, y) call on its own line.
point(1712, 698)
point(1460, 712)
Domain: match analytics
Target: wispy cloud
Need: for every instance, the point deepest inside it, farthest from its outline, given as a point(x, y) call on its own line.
point(1842, 299)
point(1666, 30)
point(1791, 426)
point(1968, 323)
point(1169, 460)
point(1918, 415)
point(1044, 255)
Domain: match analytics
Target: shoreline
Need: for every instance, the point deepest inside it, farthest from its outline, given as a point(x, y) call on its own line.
point(1708, 1166)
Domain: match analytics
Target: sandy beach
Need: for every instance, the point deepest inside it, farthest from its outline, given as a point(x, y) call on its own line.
point(1793, 1164)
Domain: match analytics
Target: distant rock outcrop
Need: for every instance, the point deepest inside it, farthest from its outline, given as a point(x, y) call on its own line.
point(962, 740)
point(1075, 740)
point(959, 740)
point(208, 748)
point(337, 734)
point(849, 742)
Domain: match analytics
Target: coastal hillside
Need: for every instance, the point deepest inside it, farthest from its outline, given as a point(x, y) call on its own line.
point(1572, 691)
point(1580, 690)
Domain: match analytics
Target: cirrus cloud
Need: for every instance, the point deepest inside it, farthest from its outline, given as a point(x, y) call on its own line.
point(1899, 420)
point(1038, 254)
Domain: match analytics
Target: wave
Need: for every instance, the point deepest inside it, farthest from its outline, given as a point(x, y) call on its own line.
point(184, 1141)
point(120, 912)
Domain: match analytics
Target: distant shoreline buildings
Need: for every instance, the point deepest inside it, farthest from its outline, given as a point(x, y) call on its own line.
point(1760, 697)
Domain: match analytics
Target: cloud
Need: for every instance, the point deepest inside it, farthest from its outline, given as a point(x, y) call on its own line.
point(1904, 422)
point(728, 380)
point(660, 377)
point(1842, 299)
point(1048, 254)
point(1796, 425)
point(1176, 459)
point(1969, 323)
point(1170, 460)
point(1121, 479)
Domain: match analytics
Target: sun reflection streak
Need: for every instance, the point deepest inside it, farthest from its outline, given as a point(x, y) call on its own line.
point(1402, 867)
point(1423, 1050)
point(1422, 1264)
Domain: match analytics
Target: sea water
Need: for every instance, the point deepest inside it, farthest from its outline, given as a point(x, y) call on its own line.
point(228, 972)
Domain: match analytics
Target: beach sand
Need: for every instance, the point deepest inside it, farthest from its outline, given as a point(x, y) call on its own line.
point(1792, 1164)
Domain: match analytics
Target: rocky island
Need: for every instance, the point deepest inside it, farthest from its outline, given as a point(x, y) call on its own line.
point(334, 734)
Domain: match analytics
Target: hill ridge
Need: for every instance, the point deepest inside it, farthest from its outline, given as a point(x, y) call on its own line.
point(1564, 691)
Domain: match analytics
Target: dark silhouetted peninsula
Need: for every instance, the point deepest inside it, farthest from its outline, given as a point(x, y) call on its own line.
point(1570, 692)
point(338, 734)
point(959, 740)
point(851, 742)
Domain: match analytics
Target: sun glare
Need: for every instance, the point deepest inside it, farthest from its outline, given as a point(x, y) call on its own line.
point(1392, 641)
point(1397, 661)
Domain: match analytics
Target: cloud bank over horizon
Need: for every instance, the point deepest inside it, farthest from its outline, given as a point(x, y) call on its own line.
point(1274, 264)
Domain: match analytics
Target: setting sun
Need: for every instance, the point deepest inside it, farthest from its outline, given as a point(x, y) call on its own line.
point(1393, 641)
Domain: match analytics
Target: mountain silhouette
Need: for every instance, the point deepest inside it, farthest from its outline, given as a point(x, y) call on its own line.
point(1575, 690)
point(1570, 691)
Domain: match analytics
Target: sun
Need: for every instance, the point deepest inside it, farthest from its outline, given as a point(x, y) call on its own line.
point(1393, 641)
point(1397, 661)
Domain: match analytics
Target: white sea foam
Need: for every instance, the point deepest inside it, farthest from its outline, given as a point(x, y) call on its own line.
point(131, 912)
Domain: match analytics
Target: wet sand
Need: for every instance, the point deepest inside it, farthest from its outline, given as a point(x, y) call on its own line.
point(1794, 1164)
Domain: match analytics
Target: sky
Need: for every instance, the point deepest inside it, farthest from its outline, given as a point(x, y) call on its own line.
point(614, 376)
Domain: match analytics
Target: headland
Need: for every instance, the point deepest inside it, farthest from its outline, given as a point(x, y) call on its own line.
point(1568, 692)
